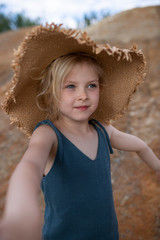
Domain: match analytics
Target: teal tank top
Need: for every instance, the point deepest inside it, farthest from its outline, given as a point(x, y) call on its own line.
point(78, 192)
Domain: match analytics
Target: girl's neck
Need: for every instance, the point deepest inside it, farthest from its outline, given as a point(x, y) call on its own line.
point(72, 126)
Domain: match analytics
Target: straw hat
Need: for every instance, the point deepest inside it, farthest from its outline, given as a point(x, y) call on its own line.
point(124, 70)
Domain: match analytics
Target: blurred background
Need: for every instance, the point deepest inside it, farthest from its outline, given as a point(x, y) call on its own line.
point(122, 24)
point(73, 13)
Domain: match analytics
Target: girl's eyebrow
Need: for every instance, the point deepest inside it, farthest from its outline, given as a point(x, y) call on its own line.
point(93, 81)
point(73, 82)
point(69, 81)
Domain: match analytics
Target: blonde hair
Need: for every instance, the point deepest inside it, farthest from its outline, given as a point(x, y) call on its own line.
point(52, 79)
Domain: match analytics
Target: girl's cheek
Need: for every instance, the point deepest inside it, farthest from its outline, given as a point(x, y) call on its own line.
point(67, 95)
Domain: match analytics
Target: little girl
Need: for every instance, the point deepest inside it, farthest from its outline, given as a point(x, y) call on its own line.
point(66, 90)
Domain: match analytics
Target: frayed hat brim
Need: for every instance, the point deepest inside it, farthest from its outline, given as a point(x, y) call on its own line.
point(124, 70)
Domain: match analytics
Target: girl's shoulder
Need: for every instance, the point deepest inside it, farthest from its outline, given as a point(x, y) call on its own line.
point(108, 127)
point(44, 134)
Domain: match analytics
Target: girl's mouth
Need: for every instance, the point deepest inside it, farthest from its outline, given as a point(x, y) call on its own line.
point(82, 108)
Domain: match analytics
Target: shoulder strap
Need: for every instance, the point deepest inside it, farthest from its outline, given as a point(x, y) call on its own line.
point(104, 132)
point(48, 122)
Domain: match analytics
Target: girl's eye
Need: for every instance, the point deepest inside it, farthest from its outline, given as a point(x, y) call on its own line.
point(92, 85)
point(71, 86)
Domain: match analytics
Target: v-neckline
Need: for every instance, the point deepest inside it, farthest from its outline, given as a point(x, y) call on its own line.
point(97, 154)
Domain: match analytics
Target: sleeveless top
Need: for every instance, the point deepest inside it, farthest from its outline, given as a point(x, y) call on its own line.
point(78, 192)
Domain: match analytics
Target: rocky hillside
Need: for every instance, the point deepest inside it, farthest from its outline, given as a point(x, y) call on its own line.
point(136, 187)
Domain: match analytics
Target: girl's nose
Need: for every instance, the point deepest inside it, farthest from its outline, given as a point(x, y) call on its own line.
point(82, 95)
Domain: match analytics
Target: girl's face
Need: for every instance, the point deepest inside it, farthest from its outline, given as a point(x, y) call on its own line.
point(80, 93)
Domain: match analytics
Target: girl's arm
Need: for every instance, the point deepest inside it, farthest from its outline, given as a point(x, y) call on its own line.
point(21, 218)
point(127, 142)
